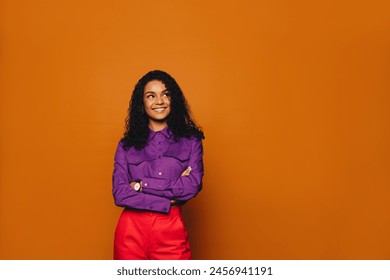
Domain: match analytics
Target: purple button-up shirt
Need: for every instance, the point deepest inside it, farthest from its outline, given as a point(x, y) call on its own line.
point(159, 166)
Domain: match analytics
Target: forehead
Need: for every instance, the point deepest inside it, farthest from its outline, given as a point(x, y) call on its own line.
point(155, 86)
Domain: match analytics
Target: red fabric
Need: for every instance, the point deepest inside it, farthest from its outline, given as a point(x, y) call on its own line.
point(145, 235)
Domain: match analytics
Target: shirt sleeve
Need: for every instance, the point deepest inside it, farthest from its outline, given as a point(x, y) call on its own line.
point(184, 187)
point(125, 195)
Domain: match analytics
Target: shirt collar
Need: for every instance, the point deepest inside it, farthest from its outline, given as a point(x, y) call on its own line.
point(165, 131)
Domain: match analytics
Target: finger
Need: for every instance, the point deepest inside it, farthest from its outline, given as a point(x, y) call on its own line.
point(186, 172)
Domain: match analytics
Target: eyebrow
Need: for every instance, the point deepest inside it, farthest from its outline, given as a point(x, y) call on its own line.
point(150, 91)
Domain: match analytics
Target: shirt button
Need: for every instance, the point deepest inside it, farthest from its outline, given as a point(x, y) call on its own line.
point(159, 173)
point(146, 184)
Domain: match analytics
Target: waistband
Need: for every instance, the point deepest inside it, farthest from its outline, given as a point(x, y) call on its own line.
point(175, 209)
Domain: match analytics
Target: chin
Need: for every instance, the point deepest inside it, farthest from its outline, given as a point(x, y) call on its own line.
point(159, 118)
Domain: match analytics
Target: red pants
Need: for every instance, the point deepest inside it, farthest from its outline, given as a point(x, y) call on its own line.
point(145, 235)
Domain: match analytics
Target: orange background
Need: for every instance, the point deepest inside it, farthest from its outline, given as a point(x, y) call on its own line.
point(293, 97)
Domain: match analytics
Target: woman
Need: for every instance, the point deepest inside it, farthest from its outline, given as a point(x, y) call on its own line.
point(158, 167)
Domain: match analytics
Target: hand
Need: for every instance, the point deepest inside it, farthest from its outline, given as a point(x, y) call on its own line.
point(187, 171)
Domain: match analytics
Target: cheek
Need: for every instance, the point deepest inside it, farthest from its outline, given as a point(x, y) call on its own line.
point(146, 104)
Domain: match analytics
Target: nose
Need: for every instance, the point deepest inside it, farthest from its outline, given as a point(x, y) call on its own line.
point(159, 100)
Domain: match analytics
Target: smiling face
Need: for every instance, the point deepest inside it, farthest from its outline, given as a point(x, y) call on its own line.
point(157, 104)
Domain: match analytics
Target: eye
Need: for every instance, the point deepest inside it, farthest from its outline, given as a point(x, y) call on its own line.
point(149, 96)
point(167, 93)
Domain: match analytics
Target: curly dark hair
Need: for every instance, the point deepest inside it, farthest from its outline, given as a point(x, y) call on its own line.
point(179, 120)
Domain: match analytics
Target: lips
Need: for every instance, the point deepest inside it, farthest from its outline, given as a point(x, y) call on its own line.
point(159, 110)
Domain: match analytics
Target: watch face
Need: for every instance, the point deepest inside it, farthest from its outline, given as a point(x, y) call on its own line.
point(137, 186)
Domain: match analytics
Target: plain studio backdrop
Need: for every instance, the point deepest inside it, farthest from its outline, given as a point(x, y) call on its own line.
point(293, 97)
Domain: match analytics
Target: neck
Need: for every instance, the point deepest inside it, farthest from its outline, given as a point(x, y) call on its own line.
point(157, 126)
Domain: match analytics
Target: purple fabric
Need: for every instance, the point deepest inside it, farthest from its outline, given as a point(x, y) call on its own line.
point(159, 166)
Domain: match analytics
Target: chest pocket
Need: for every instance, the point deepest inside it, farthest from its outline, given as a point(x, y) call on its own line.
point(179, 151)
point(138, 164)
point(134, 160)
